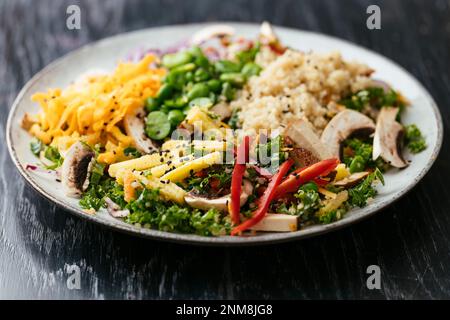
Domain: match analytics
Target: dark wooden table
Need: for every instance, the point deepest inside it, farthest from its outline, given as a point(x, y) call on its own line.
point(410, 241)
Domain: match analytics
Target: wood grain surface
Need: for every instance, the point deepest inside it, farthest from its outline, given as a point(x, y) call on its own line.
point(410, 241)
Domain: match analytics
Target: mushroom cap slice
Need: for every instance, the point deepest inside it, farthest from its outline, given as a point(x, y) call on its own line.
point(76, 169)
point(135, 127)
point(343, 125)
point(388, 138)
point(351, 180)
point(222, 110)
point(307, 149)
point(221, 204)
point(217, 30)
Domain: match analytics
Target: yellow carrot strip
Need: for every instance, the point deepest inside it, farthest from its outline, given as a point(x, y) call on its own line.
point(193, 166)
point(142, 163)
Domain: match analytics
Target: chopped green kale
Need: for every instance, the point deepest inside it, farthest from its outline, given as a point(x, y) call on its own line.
point(414, 139)
point(375, 97)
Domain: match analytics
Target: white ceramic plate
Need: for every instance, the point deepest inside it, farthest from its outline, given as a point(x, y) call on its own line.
point(106, 53)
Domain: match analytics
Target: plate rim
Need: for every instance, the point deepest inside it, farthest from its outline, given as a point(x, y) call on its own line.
point(228, 241)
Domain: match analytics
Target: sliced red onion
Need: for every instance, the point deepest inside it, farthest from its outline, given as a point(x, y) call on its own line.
point(45, 173)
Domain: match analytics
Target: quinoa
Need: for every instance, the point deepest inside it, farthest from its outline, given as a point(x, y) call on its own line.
point(297, 85)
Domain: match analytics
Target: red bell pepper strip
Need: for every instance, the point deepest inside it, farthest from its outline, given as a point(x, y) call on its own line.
point(303, 175)
point(265, 200)
point(242, 157)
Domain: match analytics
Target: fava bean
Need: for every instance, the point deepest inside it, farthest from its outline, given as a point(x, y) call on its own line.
point(214, 85)
point(225, 66)
point(158, 125)
point(201, 75)
point(151, 104)
point(164, 92)
point(251, 69)
point(175, 117)
point(201, 102)
point(172, 60)
point(236, 79)
point(198, 90)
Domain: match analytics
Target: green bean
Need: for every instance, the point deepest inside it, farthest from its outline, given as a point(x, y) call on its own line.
point(198, 90)
point(158, 125)
point(251, 69)
point(357, 165)
point(236, 79)
point(214, 85)
point(172, 60)
point(175, 117)
point(151, 104)
point(164, 92)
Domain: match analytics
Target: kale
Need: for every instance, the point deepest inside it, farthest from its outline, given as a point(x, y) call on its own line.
point(328, 217)
point(51, 153)
point(149, 210)
point(414, 139)
point(375, 97)
point(36, 146)
point(358, 155)
point(221, 177)
point(307, 205)
point(132, 152)
point(359, 194)
point(333, 215)
point(100, 187)
point(210, 223)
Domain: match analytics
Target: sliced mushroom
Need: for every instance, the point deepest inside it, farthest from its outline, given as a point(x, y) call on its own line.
point(388, 138)
point(135, 127)
point(277, 222)
point(307, 149)
point(76, 169)
point(343, 125)
point(115, 210)
point(199, 202)
point(222, 110)
point(351, 180)
point(218, 30)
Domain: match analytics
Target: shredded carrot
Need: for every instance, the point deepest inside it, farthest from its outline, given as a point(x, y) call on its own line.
point(92, 110)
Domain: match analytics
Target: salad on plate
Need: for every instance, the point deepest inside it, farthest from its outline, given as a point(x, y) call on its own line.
point(223, 135)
